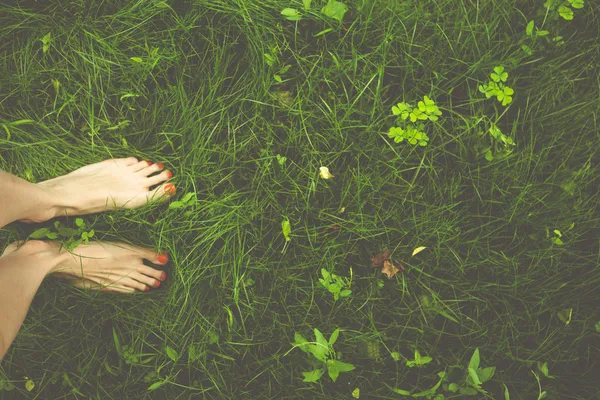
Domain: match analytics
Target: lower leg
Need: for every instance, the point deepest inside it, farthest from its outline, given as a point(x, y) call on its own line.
point(21, 273)
point(20, 200)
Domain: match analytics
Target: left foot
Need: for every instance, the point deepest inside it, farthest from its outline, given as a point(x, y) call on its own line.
point(107, 185)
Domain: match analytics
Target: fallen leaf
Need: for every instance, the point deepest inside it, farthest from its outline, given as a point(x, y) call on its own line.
point(418, 250)
point(324, 172)
point(381, 257)
point(389, 269)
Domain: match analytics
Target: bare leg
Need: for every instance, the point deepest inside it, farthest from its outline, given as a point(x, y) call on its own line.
point(111, 184)
point(106, 266)
point(107, 185)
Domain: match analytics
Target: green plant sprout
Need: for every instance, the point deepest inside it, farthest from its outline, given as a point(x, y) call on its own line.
point(73, 237)
point(333, 9)
point(188, 200)
point(563, 7)
point(496, 86)
point(413, 131)
point(429, 393)
point(337, 285)
point(323, 352)
point(500, 144)
point(419, 360)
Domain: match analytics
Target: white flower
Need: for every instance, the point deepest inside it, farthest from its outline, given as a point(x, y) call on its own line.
point(324, 172)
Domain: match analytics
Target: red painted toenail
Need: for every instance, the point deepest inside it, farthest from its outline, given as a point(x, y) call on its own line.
point(169, 174)
point(170, 189)
point(149, 163)
point(159, 165)
point(147, 289)
point(156, 284)
point(163, 276)
point(163, 259)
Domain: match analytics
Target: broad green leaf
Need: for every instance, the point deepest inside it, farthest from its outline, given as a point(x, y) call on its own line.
point(396, 110)
point(306, 4)
point(39, 233)
point(171, 353)
point(334, 336)
point(332, 371)
point(565, 315)
point(29, 385)
point(577, 3)
point(467, 391)
point(544, 370)
point(136, 59)
point(474, 362)
point(155, 386)
point(453, 387)
point(341, 366)
point(395, 356)
point(529, 29)
point(325, 273)
point(489, 156)
point(356, 393)
point(499, 69)
point(54, 235)
point(286, 229)
point(345, 293)
point(474, 376)
point(301, 342)
point(486, 374)
point(597, 326)
point(79, 222)
point(425, 360)
point(320, 338)
point(313, 375)
point(67, 232)
point(543, 395)
point(291, 14)
point(335, 9)
point(565, 12)
point(541, 33)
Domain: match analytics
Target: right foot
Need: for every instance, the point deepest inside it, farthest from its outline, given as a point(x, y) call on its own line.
point(107, 185)
point(105, 266)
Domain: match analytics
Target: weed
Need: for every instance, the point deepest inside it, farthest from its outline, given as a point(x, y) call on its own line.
point(497, 87)
point(338, 286)
point(322, 350)
point(70, 238)
point(413, 131)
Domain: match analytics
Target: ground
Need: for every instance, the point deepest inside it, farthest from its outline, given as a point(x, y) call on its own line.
point(511, 230)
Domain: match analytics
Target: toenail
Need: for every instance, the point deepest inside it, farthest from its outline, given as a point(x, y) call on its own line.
point(170, 189)
point(159, 165)
point(147, 289)
point(149, 163)
point(163, 276)
point(169, 174)
point(156, 284)
point(163, 259)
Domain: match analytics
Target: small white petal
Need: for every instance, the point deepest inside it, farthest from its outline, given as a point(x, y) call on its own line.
point(324, 172)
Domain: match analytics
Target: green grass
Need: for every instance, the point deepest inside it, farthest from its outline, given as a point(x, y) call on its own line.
point(206, 104)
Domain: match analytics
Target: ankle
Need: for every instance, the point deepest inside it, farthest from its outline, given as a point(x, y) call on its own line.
point(43, 254)
point(47, 204)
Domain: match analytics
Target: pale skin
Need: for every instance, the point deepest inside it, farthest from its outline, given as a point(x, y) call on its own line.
point(107, 266)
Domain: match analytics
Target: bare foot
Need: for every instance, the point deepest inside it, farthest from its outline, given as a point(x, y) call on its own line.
point(106, 266)
point(107, 185)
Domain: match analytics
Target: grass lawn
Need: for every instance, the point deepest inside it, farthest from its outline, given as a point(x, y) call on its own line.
point(245, 106)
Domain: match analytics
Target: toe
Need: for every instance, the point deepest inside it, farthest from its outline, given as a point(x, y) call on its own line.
point(152, 273)
point(161, 193)
point(163, 176)
point(139, 166)
point(131, 283)
point(144, 279)
point(150, 169)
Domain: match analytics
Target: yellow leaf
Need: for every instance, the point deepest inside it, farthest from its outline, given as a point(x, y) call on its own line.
point(356, 393)
point(418, 250)
point(565, 315)
point(324, 172)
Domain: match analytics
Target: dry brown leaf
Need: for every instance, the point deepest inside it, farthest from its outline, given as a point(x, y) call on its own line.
point(389, 269)
point(380, 258)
